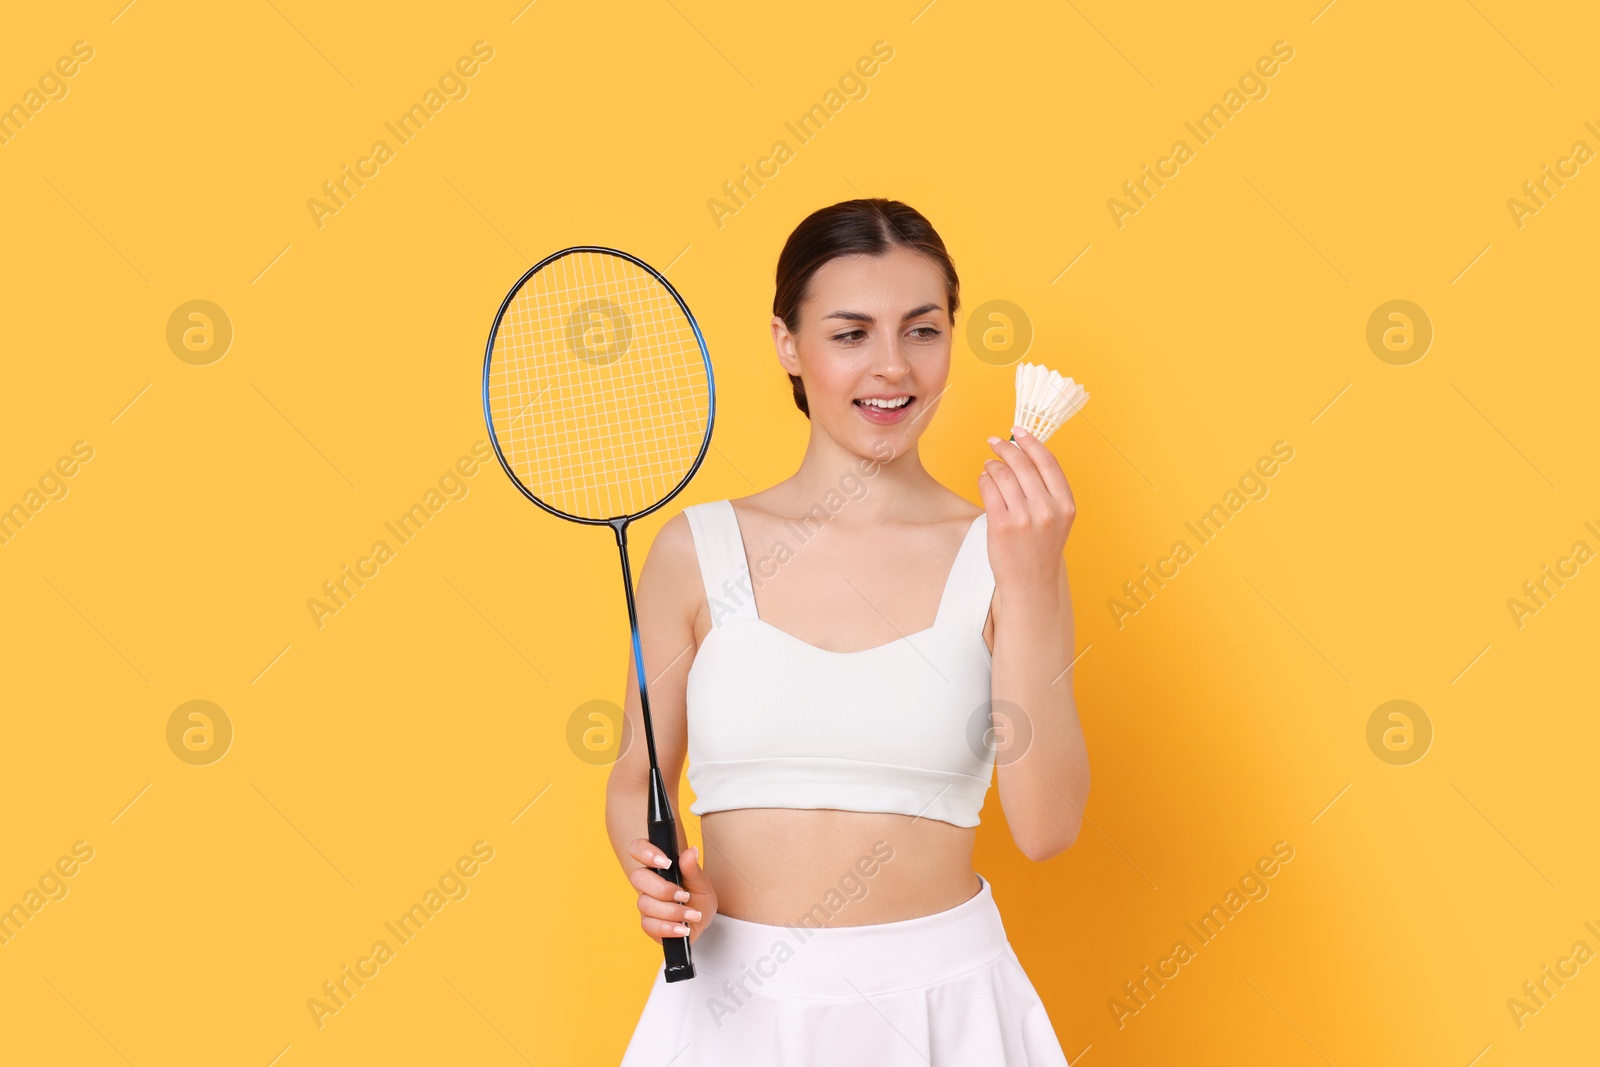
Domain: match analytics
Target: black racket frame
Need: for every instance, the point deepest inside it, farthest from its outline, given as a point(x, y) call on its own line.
point(662, 826)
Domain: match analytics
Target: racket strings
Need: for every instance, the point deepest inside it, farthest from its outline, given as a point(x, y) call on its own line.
point(598, 390)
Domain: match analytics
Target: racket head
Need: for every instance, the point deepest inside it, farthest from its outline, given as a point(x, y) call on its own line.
point(597, 386)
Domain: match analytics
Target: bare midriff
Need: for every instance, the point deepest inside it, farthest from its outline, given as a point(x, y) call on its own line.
point(780, 865)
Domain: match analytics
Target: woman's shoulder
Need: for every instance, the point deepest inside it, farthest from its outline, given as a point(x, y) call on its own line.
point(669, 591)
point(672, 546)
point(761, 500)
point(676, 545)
point(966, 509)
point(955, 508)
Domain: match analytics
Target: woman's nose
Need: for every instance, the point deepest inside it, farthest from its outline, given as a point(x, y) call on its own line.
point(889, 358)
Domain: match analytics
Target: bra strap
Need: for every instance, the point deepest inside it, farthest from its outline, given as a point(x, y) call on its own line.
point(723, 567)
point(971, 585)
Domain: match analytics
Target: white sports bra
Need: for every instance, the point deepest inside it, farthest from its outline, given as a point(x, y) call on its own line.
point(777, 722)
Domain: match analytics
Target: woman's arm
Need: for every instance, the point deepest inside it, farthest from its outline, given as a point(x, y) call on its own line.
point(666, 598)
point(1042, 760)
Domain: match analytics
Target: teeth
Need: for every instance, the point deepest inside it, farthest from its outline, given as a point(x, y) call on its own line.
point(886, 404)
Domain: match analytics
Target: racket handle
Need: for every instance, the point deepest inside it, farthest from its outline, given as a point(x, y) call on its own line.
point(664, 836)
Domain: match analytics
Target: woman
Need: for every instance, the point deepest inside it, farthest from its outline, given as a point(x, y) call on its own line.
point(839, 743)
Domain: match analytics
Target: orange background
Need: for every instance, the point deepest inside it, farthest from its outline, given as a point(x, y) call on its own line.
point(369, 753)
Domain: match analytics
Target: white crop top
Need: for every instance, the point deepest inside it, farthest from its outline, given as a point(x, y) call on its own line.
point(776, 722)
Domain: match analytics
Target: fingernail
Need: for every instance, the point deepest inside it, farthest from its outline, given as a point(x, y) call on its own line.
point(692, 915)
point(683, 931)
point(662, 861)
point(681, 896)
point(1019, 431)
point(994, 440)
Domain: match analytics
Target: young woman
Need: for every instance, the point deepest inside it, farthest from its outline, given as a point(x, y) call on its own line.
point(841, 657)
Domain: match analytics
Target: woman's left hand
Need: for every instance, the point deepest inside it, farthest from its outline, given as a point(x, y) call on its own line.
point(1030, 510)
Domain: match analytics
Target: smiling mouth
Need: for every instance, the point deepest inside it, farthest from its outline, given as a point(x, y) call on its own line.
point(886, 412)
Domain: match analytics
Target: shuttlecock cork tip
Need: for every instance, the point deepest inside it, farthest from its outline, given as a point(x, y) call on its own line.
point(1045, 400)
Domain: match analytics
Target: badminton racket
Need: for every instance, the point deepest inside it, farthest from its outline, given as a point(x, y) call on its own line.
point(598, 394)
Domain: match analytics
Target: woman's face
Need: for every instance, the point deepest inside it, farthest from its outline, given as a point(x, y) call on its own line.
point(871, 328)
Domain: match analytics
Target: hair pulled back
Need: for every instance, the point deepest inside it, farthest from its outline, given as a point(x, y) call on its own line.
point(870, 226)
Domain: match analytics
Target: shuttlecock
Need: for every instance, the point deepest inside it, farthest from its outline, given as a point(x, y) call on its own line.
point(1045, 399)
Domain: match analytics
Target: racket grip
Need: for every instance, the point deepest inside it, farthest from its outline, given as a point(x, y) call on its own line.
point(664, 835)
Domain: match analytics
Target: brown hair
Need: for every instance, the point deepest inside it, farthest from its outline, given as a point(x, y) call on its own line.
point(870, 227)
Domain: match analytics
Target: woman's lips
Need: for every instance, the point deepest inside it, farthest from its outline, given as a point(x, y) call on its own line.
point(883, 416)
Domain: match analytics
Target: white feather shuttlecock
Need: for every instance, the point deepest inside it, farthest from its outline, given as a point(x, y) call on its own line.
point(1045, 400)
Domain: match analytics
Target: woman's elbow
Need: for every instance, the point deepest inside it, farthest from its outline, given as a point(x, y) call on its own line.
point(1049, 848)
point(1055, 839)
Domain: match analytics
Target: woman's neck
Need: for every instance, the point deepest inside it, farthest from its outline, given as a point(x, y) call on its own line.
point(888, 484)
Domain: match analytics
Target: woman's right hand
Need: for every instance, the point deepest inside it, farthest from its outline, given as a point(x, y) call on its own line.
point(665, 909)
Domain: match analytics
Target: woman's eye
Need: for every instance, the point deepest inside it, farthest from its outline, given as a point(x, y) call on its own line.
point(926, 333)
point(849, 335)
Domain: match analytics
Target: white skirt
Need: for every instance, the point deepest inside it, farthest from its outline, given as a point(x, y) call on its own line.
point(943, 990)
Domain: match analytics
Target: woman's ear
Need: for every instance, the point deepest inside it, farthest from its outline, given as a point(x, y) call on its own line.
point(784, 342)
